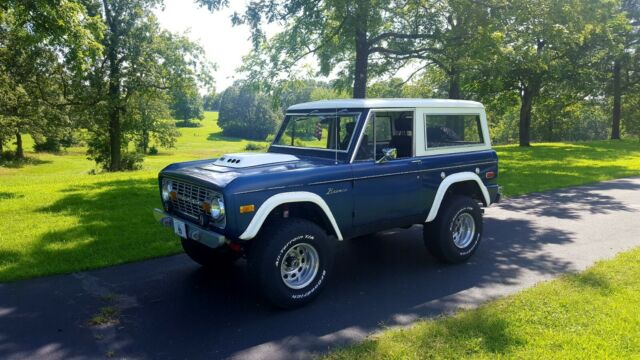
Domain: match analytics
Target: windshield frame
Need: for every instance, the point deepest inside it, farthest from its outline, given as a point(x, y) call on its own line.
point(320, 112)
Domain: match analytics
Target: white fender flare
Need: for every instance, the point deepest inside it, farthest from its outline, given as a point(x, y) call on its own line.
point(284, 198)
point(450, 180)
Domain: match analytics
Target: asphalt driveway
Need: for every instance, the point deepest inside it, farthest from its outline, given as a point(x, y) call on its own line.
point(169, 308)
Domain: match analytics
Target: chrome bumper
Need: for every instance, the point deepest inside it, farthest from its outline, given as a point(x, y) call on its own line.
point(194, 232)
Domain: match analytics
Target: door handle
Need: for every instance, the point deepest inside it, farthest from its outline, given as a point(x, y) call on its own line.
point(417, 161)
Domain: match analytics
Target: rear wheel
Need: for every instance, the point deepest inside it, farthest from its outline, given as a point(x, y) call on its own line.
point(290, 261)
point(455, 233)
point(210, 258)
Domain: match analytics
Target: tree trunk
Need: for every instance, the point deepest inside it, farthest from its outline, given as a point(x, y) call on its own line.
point(454, 85)
point(526, 106)
point(617, 101)
point(115, 141)
point(145, 138)
point(361, 65)
point(19, 148)
point(115, 131)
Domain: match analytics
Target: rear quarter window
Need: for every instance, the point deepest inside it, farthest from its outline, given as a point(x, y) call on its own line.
point(451, 130)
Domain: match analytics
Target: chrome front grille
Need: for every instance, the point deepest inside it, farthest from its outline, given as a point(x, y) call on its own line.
point(189, 198)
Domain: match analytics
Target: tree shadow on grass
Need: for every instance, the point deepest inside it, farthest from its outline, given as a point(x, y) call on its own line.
point(13, 163)
point(219, 136)
point(113, 224)
point(591, 280)
point(478, 331)
point(9, 195)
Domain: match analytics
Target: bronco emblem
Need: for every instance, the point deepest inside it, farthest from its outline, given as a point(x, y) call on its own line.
point(332, 191)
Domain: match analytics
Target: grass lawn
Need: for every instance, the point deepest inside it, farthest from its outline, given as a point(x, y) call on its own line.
point(546, 166)
point(591, 315)
point(55, 217)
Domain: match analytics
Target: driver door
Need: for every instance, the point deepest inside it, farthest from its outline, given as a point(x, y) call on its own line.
point(387, 191)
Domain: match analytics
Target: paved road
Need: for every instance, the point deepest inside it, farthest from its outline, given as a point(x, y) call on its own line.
point(172, 309)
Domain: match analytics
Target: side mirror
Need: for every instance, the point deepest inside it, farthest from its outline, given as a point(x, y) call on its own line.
point(388, 154)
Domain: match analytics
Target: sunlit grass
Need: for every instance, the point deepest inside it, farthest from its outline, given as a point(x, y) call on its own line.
point(555, 165)
point(591, 315)
point(55, 217)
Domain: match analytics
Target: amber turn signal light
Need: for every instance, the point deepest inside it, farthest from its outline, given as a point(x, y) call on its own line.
point(247, 209)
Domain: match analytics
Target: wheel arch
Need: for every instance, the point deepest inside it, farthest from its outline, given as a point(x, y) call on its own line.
point(463, 183)
point(309, 205)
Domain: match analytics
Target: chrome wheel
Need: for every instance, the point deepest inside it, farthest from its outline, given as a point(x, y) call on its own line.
point(299, 266)
point(463, 230)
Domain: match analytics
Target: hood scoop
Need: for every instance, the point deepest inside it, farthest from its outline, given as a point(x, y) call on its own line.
point(245, 160)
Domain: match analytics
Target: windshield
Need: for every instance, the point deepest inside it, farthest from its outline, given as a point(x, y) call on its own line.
point(318, 131)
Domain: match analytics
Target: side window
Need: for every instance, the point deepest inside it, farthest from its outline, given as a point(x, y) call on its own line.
point(452, 130)
point(345, 131)
point(387, 129)
point(383, 129)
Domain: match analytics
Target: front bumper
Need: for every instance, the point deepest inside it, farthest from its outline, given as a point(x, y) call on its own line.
point(207, 237)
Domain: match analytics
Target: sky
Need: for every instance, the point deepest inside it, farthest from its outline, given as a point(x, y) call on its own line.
point(224, 44)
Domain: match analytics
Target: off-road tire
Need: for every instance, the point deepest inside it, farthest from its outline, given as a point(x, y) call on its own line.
point(267, 254)
point(207, 257)
point(438, 234)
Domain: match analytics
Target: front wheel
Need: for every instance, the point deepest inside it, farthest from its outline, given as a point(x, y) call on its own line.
point(291, 261)
point(455, 233)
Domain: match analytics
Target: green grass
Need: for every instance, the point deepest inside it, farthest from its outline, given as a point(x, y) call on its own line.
point(556, 165)
point(591, 315)
point(55, 217)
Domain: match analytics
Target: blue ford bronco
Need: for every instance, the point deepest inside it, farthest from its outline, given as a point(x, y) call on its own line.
point(336, 170)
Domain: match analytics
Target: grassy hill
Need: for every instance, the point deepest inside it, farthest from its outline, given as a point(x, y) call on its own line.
point(56, 217)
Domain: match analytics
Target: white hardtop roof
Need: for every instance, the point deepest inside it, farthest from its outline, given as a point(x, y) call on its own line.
point(386, 103)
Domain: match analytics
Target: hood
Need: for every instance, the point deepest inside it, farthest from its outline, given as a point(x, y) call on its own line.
point(222, 171)
point(247, 160)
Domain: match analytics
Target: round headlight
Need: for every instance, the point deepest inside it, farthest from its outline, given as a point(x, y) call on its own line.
point(167, 187)
point(217, 209)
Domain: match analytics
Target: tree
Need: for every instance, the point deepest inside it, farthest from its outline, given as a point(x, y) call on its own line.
point(246, 113)
point(209, 101)
point(147, 119)
point(623, 74)
point(186, 103)
point(392, 88)
point(44, 48)
point(138, 57)
point(456, 36)
point(541, 42)
point(352, 37)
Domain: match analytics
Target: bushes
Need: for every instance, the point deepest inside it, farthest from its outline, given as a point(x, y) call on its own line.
point(187, 124)
point(55, 143)
point(254, 147)
point(132, 161)
point(99, 151)
point(48, 145)
point(246, 113)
